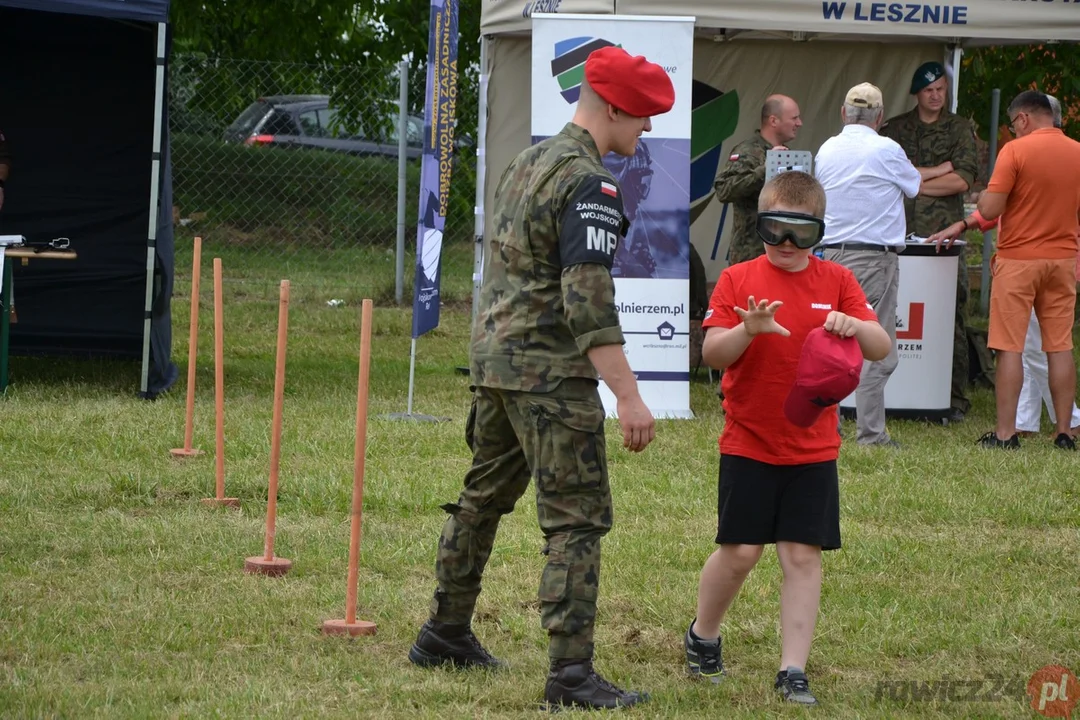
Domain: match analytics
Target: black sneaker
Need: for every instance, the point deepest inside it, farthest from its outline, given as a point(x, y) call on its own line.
point(794, 687)
point(574, 683)
point(991, 440)
point(703, 657)
point(440, 644)
point(1065, 442)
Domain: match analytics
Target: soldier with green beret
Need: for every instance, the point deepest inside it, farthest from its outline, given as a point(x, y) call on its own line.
point(942, 146)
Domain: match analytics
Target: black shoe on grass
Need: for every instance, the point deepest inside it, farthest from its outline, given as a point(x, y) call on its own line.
point(442, 644)
point(574, 683)
point(990, 440)
point(1065, 442)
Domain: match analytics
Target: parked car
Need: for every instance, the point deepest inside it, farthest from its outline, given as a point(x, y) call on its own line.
point(308, 121)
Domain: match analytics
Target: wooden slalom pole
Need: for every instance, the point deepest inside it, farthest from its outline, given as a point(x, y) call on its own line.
point(193, 344)
point(350, 625)
point(268, 563)
point(219, 396)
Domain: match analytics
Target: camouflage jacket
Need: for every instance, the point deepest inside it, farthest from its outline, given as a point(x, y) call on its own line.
point(951, 138)
point(547, 295)
point(739, 183)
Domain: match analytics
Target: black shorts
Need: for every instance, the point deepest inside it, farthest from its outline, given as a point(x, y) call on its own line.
point(760, 504)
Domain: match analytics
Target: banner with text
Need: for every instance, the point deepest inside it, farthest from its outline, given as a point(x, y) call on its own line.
point(947, 20)
point(652, 263)
point(436, 163)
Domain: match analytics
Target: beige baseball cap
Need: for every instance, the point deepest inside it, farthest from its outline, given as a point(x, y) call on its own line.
point(864, 95)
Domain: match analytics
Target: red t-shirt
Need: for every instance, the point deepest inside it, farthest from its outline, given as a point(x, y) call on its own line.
point(756, 385)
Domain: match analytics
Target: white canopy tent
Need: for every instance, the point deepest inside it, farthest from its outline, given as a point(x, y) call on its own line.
point(986, 21)
point(746, 50)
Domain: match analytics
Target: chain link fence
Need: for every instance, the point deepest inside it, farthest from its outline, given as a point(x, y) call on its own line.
point(290, 170)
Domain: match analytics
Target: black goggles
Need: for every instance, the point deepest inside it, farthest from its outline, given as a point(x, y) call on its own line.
point(804, 231)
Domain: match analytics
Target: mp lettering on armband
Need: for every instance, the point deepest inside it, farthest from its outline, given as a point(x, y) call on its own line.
point(592, 224)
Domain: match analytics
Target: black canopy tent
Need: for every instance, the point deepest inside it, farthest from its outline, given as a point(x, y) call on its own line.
point(83, 107)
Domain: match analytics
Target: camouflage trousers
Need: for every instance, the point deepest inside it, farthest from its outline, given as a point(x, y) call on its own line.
point(556, 439)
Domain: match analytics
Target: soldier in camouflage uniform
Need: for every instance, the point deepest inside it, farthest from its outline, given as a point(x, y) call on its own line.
point(546, 324)
point(942, 146)
point(741, 179)
point(5, 166)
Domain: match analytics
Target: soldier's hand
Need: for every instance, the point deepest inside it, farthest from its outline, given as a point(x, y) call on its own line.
point(760, 317)
point(638, 426)
point(779, 147)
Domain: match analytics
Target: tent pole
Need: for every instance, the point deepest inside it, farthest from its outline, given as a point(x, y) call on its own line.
point(988, 236)
point(402, 183)
point(954, 83)
point(481, 173)
point(155, 180)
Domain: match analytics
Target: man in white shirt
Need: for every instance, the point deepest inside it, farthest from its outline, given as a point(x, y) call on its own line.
point(866, 177)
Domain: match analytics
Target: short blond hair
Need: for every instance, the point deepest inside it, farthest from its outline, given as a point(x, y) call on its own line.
point(794, 189)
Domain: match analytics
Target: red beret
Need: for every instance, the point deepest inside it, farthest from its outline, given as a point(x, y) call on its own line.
point(629, 82)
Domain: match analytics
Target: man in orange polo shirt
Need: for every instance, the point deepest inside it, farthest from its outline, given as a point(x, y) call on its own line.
point(1036, 188)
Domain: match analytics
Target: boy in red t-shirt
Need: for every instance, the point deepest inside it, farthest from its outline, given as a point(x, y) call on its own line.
point(778, 480)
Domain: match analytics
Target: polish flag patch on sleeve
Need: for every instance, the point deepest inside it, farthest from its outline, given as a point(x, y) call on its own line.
point(609, 189)
point(733, 158)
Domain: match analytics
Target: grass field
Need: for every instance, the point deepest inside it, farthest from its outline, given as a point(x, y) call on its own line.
point(122, 596)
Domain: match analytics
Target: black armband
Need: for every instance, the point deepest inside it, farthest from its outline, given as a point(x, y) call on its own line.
point(592, 224)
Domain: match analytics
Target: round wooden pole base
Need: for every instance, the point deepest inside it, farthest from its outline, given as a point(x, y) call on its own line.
point(274, 567)
point(355, 629)
point(222, 502)
point(185, 452)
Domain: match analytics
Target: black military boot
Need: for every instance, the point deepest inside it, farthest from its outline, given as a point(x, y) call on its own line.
point(440, 643)
point(575, 683)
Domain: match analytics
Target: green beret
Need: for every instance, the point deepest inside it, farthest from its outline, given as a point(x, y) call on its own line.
point(927, 73)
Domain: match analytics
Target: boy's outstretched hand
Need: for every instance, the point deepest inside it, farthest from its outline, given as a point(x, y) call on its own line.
point(760, 317)
point(840, 324)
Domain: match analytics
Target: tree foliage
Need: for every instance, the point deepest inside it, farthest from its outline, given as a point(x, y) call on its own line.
point(283, 30)
point(1013, 69)
point(369, 37)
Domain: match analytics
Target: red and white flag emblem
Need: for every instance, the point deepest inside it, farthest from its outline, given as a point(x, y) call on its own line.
point(608, 189)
